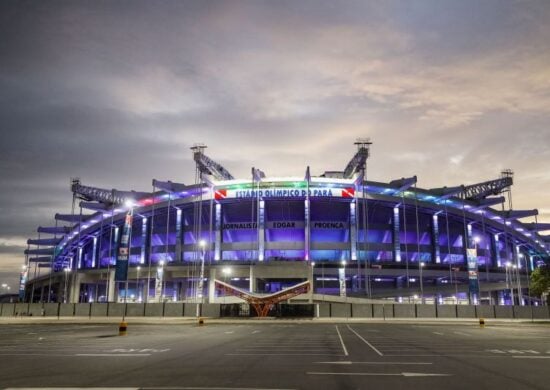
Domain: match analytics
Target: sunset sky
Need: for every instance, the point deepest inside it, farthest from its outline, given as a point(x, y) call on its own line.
point(115, 92)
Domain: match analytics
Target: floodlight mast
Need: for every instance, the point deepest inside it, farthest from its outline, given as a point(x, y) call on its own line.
point(207, 166)
point(358, 162)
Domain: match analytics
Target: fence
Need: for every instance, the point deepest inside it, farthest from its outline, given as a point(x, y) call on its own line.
point(321, 310)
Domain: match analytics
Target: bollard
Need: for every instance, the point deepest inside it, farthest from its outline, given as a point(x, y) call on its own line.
point(122, 328)
point(482, 322)
point(201, 321)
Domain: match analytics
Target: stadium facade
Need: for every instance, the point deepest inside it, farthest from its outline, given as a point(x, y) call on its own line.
point(346, 235)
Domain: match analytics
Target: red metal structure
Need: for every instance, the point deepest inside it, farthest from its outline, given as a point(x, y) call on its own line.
point(263, 303)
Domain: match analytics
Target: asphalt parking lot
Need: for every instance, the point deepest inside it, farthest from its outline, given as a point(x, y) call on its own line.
point(274, 355)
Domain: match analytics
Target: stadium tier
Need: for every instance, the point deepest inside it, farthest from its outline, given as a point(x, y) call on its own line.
point(348, 236)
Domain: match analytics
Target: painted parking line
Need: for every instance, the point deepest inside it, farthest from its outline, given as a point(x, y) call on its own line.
point(342, 341)
point(531, 357)
point(404, 374)
point(113, 354)
point(366, 342)
point(463, 334)
point(375, 363)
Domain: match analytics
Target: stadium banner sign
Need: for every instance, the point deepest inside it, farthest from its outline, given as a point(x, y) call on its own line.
point(286, 225)
point(121, 272)
point(472, 271)
point(284, 192)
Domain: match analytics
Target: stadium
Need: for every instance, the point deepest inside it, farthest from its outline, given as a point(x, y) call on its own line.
point(346, 236)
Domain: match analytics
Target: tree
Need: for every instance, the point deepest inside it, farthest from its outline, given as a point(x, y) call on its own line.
point(540, 281)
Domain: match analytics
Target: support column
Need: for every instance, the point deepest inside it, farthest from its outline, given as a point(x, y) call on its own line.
point(353, 230)
point(495, 251)
point(212, 285)
point(178, 255)
point(111, 286)
point(395, 235)
point(252, 281)
point(261, 230)
point(218, 232)
point(74, 289)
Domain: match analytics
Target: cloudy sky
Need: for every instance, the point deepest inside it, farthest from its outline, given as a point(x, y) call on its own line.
point(115, 92)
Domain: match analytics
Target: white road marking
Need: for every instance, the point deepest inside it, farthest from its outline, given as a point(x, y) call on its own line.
point(405, 374)
point(462, 334)
point(390, 363)
point(341, 341)
point(438, 333)
point(366, 342)
point(114, 354)
point(142, 388)
point(531, 357)
point(281, 354)
point(231, 332)
point(255, 331)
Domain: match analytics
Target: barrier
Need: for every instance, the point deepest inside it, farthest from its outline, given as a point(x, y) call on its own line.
point(135, 309)
point(154, 309)
point(506, 312)
point(173, 309)
point(35, 310)
point(116, 310)
point(359, 310)
point(446, 311)
point(66, 309)
point(340, 310)
point(8, 309)
point(540, 312)
point(485, 311)
point(51, 309)
point(82, 309)
point(465, 311)
point(99, 309)
point(404, 310)
point(426, 311)
point(323, 310)
point(190, 310)
point(210, 310)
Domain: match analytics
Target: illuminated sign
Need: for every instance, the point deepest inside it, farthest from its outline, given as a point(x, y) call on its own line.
point(286, 225)
point(281, 192)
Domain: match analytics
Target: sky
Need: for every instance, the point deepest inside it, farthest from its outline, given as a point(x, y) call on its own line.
point(116, 92)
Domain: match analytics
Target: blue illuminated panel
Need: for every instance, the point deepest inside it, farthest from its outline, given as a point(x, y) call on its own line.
point(307, 229)
point(435, 239)
point(396, 241)
point(261, 230)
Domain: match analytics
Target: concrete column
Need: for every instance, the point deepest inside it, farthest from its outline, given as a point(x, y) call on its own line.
point(111, 286)
point(212, 286)
point(252, 282)
point(74, 289)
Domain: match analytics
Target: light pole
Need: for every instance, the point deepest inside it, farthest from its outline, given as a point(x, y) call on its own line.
point(422, 264)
